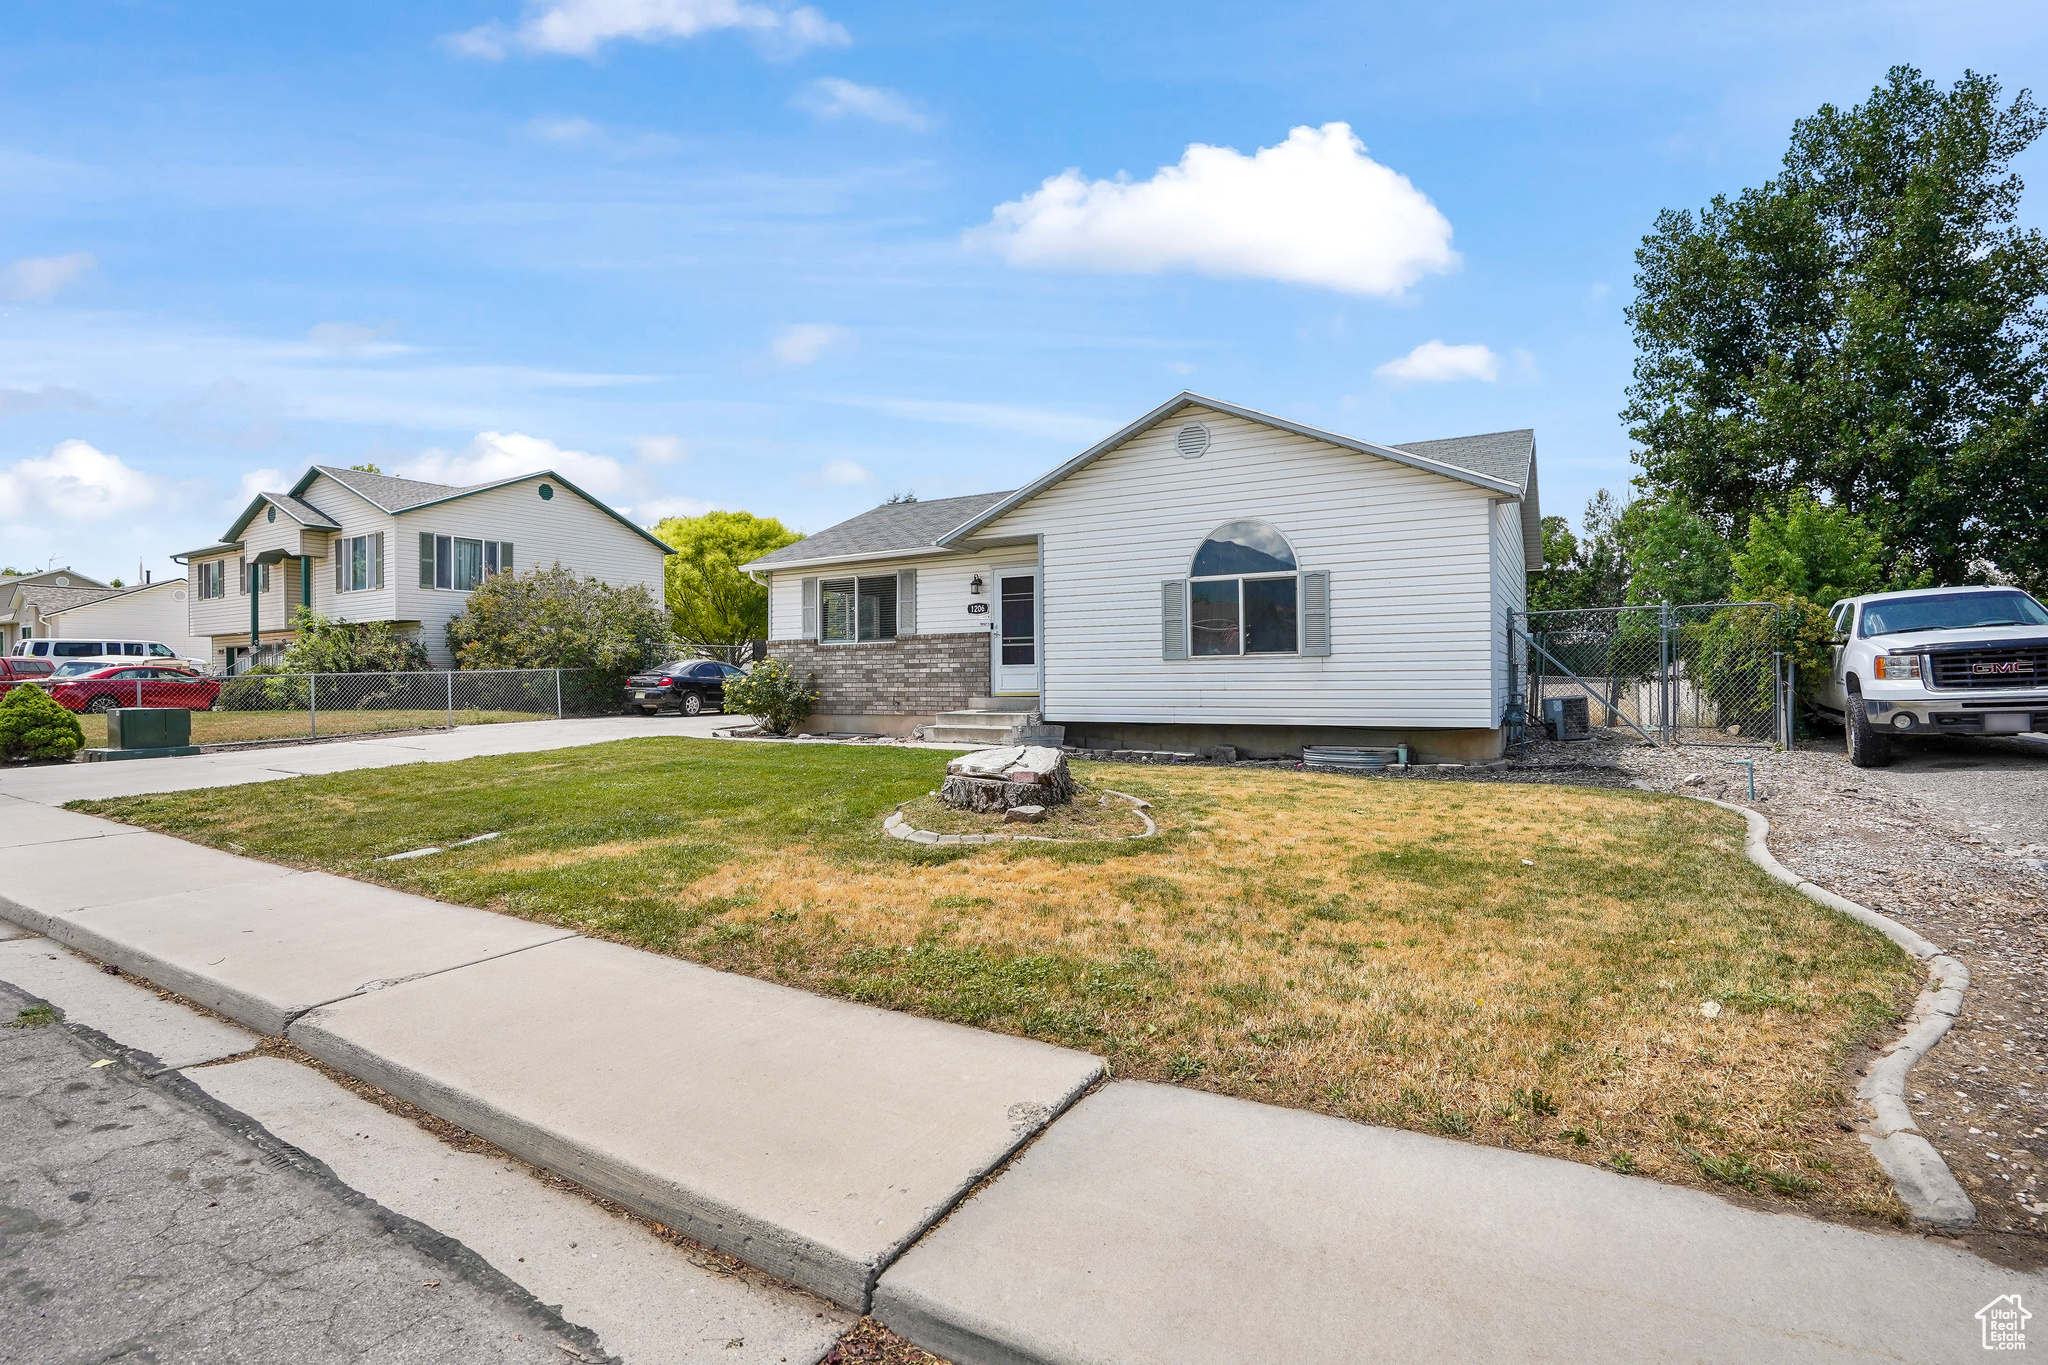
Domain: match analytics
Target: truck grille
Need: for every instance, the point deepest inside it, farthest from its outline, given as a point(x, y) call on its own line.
point(2011, 666)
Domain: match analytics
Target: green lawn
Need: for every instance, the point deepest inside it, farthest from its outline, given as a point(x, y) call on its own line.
point(1510, 964)
point(236, 727)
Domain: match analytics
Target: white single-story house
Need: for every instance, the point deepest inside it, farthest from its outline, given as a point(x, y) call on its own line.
point(1207, 575)
point(26, 598)
point(358, 546)
point(157, 611)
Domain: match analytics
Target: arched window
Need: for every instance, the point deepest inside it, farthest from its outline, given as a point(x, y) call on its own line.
point(1243, 593)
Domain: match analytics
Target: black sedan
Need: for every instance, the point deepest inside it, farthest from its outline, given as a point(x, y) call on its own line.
point(689, 686)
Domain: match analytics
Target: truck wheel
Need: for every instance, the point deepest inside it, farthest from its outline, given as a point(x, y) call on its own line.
point(1867, 748)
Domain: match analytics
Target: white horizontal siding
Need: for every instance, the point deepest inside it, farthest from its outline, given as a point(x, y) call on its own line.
point(1409, 557)
point(563, 530)
point(1510, 591)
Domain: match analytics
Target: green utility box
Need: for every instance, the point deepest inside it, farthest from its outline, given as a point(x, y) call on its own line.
point(145, 732)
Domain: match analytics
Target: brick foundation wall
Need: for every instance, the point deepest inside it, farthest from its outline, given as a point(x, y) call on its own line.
point(917, 675)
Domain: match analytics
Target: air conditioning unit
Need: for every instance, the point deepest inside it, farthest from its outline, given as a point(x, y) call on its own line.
point(1567, 718)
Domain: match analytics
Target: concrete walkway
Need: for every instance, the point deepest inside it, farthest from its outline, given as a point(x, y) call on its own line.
point(823, 1140)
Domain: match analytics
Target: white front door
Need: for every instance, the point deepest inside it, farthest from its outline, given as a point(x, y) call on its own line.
point(1016, 632)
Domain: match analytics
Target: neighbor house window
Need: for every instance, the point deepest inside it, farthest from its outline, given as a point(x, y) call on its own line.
point(461, 564)
point(1243, 593)
point(854, 609)
point(213, 578)
point(359, 563)
point(243, 569)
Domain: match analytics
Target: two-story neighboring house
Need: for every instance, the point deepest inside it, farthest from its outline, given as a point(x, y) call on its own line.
point(367, 547)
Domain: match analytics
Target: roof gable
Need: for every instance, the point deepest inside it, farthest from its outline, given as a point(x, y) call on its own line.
point(1428, 462)
point(394, 496)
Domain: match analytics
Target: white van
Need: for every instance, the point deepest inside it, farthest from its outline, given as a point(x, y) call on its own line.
point(64, 651)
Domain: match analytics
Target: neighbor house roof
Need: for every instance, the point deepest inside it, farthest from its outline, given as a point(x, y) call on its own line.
point(204, 551)
point(1398, 454)
point(304, 513)
point(896, 528)
point(407, 495)
point(50, 600)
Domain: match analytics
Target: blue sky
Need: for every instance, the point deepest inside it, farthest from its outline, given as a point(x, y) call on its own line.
point(742, 254)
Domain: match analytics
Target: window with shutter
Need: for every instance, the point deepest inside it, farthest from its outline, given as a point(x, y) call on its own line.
point(810, 621)
point(377, 560)
point(426, 559)
point(1315, 612)
point(340, 555)
point(1173, 619)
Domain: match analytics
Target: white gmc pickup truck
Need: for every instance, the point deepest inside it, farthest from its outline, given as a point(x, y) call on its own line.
point(1945, 661)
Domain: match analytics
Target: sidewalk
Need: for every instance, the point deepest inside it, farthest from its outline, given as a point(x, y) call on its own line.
point(823, 1140)
point(58, 783)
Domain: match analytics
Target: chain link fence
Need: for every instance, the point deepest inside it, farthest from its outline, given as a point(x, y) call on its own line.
point(1711, 673)
point(270, 706)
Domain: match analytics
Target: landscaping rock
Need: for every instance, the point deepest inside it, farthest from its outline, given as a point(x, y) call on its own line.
point(1023, 815)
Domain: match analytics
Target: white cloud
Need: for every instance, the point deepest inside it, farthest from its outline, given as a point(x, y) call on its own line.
point(43, 398)
point(654, 509)
point(79, 484)
point(508, 454)
point(253, 482)
point(38, 278)
point(806, 341)
point(352, 339)
point(579, 28)
point(829, 97)
point(843, 474)
point(661, 449)
point(1435, 363)
point(580, 134)
point(1314, 210)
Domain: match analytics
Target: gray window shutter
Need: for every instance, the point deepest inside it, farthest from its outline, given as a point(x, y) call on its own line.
point(377, 560)
point(504, 556)
point(810, 622)
point(906, 601)
point(1173, 619)
point(1315, 612)
point(339, 549)
point(242, 574)
point(426, 559)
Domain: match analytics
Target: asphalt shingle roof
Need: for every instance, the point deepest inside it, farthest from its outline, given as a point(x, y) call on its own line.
point(49, 599)
point(1497, 454)
point(306, 512)
point(393, 495)
point(893, 528)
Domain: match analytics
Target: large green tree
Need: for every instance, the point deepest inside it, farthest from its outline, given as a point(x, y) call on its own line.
point(711, 601)
point(1867, 326)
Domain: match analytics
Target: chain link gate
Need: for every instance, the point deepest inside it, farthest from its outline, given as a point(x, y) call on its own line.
point(1708, 673)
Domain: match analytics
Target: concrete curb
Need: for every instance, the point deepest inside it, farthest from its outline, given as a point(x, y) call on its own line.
point(896, 827)
point(1929, 1189)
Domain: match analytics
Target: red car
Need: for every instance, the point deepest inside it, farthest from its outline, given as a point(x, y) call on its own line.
point(16, 671)
point(103, 689)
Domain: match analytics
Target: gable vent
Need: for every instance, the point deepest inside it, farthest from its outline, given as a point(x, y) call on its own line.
point(1191, 440)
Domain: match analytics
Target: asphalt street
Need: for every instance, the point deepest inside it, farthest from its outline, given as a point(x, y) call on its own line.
point(142, 1221)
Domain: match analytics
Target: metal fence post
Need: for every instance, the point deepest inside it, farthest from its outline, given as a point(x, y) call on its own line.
point(313, 704)
point(558, 694)
point(451, 699)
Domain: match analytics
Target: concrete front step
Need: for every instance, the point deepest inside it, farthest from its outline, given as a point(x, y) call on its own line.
point(970, 734)
point(1011, 703)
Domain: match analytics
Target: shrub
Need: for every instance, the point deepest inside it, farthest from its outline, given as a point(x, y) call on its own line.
point(327, 646)
point(32, 725)
point(773, 695)
point(550, 618)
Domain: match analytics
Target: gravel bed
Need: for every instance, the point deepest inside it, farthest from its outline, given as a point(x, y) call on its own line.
point(1950, 840)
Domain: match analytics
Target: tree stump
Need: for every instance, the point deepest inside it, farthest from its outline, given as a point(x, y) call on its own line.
point(996, 780)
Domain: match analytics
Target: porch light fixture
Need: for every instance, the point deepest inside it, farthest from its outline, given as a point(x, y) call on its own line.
point(974, 585)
